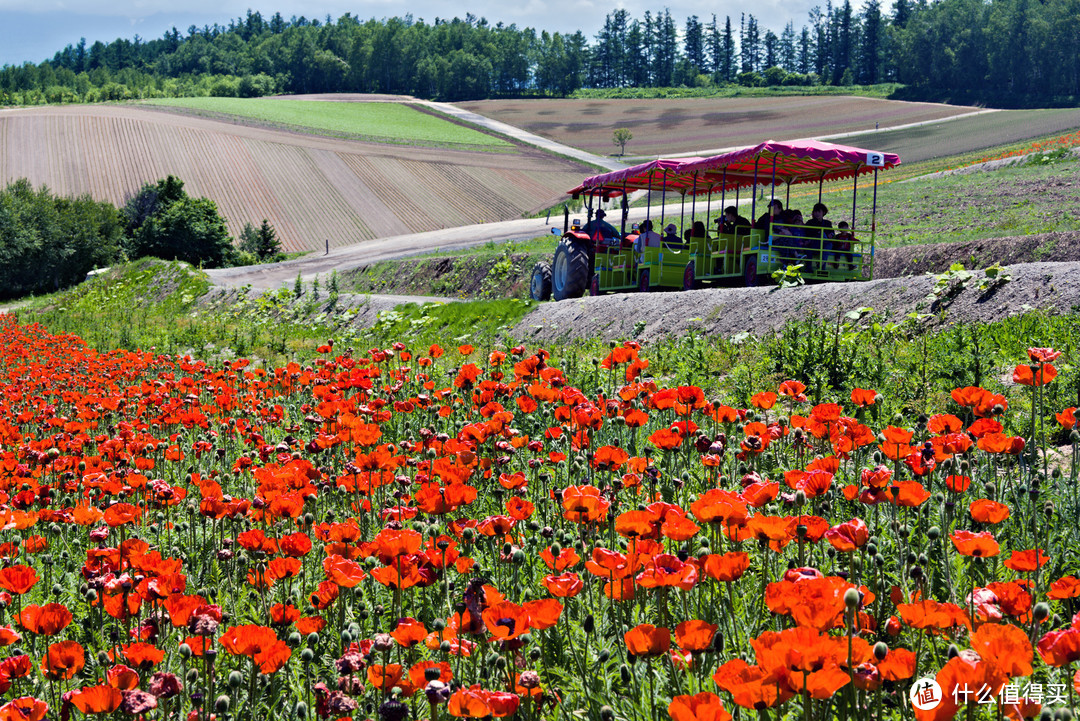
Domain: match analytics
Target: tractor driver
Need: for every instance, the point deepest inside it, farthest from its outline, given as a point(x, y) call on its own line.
point(600, 230)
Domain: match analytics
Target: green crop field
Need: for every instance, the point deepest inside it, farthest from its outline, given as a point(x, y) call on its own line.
point(386, 122)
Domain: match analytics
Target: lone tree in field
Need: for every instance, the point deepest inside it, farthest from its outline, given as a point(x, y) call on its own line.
point(621, 137)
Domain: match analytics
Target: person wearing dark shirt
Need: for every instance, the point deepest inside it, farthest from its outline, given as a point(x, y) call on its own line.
point(818, 238)
point(733, 220)
point(598, 229)
point(776, 209)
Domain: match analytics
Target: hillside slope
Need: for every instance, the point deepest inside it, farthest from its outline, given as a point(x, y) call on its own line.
point(311, 188)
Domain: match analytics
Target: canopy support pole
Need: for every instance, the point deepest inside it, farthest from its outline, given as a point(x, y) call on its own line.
point(753, 203)
point(693, 203)
point(772, 195)
point(854, 195)
point(663, 199)
point(625, 210)
point(648, 200)
point(787, 199)
point(873, 212)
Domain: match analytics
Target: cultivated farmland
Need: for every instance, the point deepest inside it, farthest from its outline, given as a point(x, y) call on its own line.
point(310, 188)
point(698, 124)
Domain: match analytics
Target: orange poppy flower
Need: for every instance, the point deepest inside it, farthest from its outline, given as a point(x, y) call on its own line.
point(122, 677)
point(468, 703)
point(751, 687)
point(728, 567)
point(63, 660)
point(1023, 375)
point(764, 401)
point(704, 706)
point(695, 636)
point(957, 484)
point(409, 632)
point(1026, 561)
point(18, 579)
point(566, 585)
point(97, 699)
point(863, 397)
point(1060, 648)
point(898, 665)
point(506, 621)
point(980, 545)
point(667, 570)
point(47, 620)
point(719, 506)
point(120, 514)
point(792, 389)
point(584, 504)
point(646, 640)
point(1067, 587)
point(666, 439)
point(848, 536)
point(24, 708)
point(1007, 647)
point(986, 511)
point(543, 612)
point(567, 558)
point(637, 524)
point(1067, 418)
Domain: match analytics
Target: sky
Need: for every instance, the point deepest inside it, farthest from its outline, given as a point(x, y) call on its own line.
point(34, 30)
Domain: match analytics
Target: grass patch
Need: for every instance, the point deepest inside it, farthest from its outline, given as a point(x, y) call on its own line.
point(383, 122)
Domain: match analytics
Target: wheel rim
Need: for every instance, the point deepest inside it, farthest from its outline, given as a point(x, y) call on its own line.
point(560, 271)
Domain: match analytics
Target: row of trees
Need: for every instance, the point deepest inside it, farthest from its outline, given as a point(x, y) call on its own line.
point(48, 242)
point(1006, 48)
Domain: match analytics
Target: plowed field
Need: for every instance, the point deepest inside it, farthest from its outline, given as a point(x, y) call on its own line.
point(311, 188)
point(696, 124)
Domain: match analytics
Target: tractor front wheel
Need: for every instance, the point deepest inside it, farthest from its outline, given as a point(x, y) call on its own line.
point(540, 288)
point(570, 271)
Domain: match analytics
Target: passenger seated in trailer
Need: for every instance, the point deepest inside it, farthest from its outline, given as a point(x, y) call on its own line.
point(775, 211)
point(671, 237)
point(647, 237)
point(732, 222)
point(698, 230)
point(601, 231)
point(819, 238)
point(789, 237)
point(841, 246)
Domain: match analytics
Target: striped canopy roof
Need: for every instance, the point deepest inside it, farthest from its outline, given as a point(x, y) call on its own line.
point(794, 162)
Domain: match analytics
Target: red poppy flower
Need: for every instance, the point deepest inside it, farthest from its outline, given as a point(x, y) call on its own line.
point(120, 514)
point(751, 687)
point(981, 545)
point(468, 703)
point(506, 621)
point(728, 567)
point(567, 558)
point(122, 677)
point(97, 699)
point(848, 536)
point(957, 484)
point(986, 511)
point(24, 708)
point(47, 620)
point(18, 579)
point(1067, 587)
point(704, 706)
point(1026, 561)
point(63, 660)
point(1007, 647)
point(1067, 418)
point(647, 640)
point(566, 585)
point(1023, 375)
point(792, 389)
point(695, 636)
point(863, 397)
point(1059, 648)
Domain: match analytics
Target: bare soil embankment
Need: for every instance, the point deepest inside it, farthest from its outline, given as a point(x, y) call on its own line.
point(1053, 287)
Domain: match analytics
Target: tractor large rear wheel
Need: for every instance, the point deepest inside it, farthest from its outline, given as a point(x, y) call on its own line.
point(570, 270)
point(540, 287)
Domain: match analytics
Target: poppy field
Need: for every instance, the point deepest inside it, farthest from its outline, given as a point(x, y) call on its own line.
point(497, 532)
